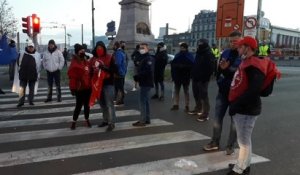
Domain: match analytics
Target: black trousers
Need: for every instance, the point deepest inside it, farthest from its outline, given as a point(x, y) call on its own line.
point(56, 77)
point(82, 99)
point(119, 89)
point(22, 93)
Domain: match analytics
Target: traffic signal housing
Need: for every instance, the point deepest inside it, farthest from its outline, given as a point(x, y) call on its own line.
point(26, 25)
point(36, 24)
point(111, 26)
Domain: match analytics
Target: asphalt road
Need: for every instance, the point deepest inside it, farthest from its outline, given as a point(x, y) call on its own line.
point(37, 140)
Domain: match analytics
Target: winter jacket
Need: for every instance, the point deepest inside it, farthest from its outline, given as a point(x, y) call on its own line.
point(145, 71)
point(203, 66)
point(53, 61)
point(29, 66)
point(79, 74)
point(120, 61)
point(161, 60)
point(181, 67)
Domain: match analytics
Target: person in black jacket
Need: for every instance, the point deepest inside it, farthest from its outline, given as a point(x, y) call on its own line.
point(135, 57)
point(181, 67)
point(145, 79)
point(201, 73)
point(28, 73)
point(245, 102)
point(161, 60)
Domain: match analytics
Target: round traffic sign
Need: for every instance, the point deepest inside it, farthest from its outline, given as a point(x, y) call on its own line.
point(250, 22)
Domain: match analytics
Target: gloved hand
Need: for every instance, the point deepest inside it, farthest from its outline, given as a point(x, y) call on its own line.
point(73, 92)
point(136, 78)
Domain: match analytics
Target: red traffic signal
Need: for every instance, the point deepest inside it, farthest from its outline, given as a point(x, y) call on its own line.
point(26, 25)
point(36, 24)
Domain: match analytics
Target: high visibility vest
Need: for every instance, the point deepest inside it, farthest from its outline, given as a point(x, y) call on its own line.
point(263, 50)
point(216, 52)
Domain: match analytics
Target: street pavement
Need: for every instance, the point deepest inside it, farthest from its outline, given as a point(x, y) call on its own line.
point(37, 139)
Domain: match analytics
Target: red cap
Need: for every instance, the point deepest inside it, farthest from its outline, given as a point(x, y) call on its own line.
point(249, 41)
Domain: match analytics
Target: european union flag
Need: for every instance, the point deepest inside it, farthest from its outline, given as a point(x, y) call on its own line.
point(7, 53)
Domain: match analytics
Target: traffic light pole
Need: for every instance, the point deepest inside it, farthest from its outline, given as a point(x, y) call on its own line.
point(93, 24)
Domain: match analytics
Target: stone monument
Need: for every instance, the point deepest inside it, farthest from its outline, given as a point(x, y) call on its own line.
point(134, 25)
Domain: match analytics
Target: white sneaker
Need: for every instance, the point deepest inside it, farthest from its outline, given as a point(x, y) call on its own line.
point(134, 89)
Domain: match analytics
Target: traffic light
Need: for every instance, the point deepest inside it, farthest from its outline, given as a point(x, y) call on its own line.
point(26, 25)
point(111, 26)
point(36, 24)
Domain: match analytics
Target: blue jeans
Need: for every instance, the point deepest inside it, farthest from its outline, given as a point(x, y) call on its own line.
point(107, 104)
point(244, 126)
point(144, 103)
point(222, 104)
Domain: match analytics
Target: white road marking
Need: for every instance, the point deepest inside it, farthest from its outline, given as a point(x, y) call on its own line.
point(97, 147)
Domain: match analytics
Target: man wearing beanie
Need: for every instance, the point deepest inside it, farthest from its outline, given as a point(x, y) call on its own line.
point(53, 62)
point(80, 84)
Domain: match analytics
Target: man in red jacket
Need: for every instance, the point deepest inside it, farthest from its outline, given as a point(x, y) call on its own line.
point(80, 84)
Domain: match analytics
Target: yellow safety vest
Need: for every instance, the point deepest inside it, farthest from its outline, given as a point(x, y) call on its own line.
point(263, 50)
point(216, 52)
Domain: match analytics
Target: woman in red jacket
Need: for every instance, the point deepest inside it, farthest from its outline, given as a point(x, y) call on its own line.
point(80, 84)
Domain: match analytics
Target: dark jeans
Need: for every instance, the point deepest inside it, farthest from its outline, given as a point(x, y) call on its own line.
point(22, 93)
point(82, 99)
point(177, 87)
point(119, 89)
point(53, 76)
point(222, 104)
point(200, 92)
point(144, 103)
point(162, 87)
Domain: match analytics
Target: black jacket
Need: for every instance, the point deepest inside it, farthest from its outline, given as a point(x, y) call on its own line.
point(181, 67)
point(161, 60)
point(27, 68)
point(145, 71)
point(203, 66)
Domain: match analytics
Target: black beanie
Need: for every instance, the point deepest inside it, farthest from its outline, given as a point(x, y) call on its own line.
point(51, 42)
point(77, 48)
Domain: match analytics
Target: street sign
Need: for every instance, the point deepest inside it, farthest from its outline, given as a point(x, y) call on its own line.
point(250, 32)
point(250, 23)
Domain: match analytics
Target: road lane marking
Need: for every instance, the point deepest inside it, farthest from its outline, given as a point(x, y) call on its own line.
point(16, 99)
point(39, 104)
point(62, 119)
point(54, 133)
point(97, 147)
point(208, 162)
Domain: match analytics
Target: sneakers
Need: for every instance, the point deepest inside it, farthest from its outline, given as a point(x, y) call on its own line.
point(87, 123)
point(174, 108)
point(212, 146)
point(193, 112)
point(103, 124)
point(110, 127)
point(203, 118)
point(155, 96)
point(20, 105)
point(134, 89)
point(139, 123)
point(48, 100)
point(73, 126)
point(119, 104)
point(245, 172)
point(2, 92)
point(229, 150)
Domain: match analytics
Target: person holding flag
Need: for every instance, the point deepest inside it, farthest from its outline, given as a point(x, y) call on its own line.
point(103, 68)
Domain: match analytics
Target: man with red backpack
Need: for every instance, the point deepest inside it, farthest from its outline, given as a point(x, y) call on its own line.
point(249, 80)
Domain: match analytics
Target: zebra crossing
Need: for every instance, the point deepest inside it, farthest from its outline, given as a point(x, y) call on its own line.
point(37, 140)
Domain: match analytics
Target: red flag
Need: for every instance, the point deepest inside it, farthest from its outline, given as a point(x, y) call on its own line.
point(97, 85)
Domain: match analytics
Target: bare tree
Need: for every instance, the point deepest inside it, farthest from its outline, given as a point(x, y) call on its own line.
point(8, 23)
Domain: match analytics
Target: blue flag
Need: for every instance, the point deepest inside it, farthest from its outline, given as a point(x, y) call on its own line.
point(8, 53)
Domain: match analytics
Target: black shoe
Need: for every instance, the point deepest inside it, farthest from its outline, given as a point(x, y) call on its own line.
point(110, 127)
point(203, 118)
point(20, 105)
point(31, 103)
point(103, 124)
point(174, 108)
point(138, 123)
point(211, 146)
point(193, 112)
point(87, 123)
point(73, 126)
point(119, 104)
point(161, 98)
point(245, 172)
point(147, 122)
point(2, 92)
point(48, 100)
point(155, 96)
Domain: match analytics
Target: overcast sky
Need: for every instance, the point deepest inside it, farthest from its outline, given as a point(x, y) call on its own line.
point(178, 13)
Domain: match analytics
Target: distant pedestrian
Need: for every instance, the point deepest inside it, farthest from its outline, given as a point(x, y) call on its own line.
point(104, 62)
point(53, 62)
point(29, 65)
point(245, 103)
point(228, 64)
point(80, 84)
point(66, 56)
point(135, 57)
point(201, 73)
point(145, 78)
point(161, 60)
point(217, 54)
point(181, 67)
point(120, 60)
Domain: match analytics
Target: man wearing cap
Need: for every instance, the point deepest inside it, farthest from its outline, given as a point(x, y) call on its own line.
point(53, 62)
point(29, 65)
point(245, 102)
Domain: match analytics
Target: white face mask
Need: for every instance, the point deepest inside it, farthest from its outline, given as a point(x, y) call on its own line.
point(142, 51)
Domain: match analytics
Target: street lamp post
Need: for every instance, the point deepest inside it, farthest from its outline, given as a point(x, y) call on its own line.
point(258, 20)
point(65, 28)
